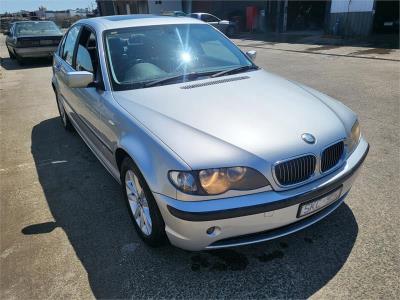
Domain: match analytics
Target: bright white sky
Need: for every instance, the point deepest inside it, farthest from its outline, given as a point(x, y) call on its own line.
point(17, 5)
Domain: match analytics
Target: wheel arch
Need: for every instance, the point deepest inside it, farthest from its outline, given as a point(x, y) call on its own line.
point(120, 154)
point(152, 160)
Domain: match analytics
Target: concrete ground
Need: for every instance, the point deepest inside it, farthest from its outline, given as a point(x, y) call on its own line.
point(65, 232)
point(321, 49)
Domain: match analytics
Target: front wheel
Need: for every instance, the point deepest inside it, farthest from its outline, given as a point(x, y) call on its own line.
point(63, 115)
point(145, 215)
point(20, 60)
point(12, 55)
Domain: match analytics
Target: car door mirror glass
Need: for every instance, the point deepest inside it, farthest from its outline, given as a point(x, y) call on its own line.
point(78, 79)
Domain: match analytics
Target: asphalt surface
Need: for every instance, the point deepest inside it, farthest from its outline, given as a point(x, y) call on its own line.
point(65, 232)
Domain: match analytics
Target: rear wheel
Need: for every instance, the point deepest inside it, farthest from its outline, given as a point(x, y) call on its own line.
point(145, 215)
point(63, 115)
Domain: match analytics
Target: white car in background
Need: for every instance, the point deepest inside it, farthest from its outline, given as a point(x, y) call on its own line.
point(225, 26)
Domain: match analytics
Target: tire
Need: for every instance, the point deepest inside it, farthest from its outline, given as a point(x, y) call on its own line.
point(63, 115)
point(12, 55)
point(20, 60)
point(153, 232)
point(230, 31)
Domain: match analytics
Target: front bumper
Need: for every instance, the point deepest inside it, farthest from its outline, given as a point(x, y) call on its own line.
point(36, 51)
point(253, 218)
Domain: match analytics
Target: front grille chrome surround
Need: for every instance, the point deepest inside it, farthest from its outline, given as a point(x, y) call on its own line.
point(296, 170)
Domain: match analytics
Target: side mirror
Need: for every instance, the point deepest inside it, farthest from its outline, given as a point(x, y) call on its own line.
point(78, 79)
point(7, 33)
point(252, 54)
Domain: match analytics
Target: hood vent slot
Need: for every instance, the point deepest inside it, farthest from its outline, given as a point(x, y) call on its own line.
point(197, 85)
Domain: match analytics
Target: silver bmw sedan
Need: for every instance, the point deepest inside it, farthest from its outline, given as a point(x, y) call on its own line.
point(211, 150)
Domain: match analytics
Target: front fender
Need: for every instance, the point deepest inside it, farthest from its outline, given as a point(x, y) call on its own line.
point(154, 160)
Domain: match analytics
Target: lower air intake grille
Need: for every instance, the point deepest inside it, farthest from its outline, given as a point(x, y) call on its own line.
point(295, 170)
point(331, 156)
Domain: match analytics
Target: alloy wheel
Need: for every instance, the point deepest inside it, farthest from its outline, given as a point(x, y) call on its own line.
point(138, 202)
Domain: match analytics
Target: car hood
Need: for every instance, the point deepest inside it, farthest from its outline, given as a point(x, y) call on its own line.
point(247, 118)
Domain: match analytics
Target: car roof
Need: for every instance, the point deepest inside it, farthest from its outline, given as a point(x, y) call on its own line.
point(124, 21)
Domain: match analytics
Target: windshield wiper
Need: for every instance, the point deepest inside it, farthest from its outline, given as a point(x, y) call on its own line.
point(235, 70)
point(189, 76)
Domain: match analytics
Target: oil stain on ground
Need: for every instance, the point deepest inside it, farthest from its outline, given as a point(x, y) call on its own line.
point(283, 245)
point(219, 260)
point(308, 240)
point(323, 47)
point(373, 51)
point(277, 254)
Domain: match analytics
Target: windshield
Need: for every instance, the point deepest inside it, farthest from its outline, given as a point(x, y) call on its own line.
point(140, 55)
point(37, 28)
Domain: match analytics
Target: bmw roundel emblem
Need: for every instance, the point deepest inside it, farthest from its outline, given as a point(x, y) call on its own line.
point(308, 138)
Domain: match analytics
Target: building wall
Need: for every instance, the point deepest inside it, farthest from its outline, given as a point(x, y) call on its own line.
point(106, 8)
point(351, 17)
point(123, 7)
point(157, 7)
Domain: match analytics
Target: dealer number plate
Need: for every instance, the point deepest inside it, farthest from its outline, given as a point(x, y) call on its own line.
point(315, 205)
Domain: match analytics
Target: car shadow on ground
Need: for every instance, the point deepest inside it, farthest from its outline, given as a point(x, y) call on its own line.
point(12, 64)
point(86, 203)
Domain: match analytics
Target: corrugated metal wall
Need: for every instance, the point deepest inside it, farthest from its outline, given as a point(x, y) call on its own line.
point(351, 24)
point(351, 17)
point(341, 6)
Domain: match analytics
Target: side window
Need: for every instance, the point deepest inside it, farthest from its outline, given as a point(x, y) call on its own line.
point(86, 56)
point(69, 44)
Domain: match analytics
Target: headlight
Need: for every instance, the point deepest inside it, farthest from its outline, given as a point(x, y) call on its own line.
point(217, 181)
point(354, 137)
point(184, 181)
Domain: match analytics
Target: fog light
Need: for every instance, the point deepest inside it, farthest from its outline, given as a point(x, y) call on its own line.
point(213, 231)
point(210, 230)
